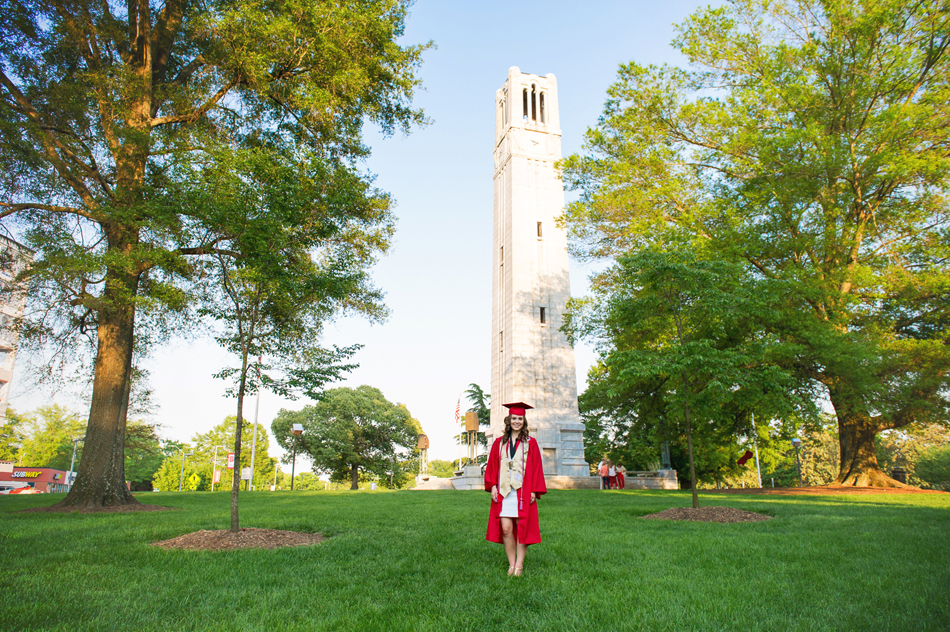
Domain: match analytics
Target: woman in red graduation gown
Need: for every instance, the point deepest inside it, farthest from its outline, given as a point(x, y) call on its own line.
point(515, 479)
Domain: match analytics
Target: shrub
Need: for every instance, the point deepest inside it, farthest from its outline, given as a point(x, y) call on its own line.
point(933, 467)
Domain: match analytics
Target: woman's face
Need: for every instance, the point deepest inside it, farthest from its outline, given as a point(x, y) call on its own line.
point(517, 423)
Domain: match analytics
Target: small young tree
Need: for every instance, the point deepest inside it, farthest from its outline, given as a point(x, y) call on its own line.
point(278, 312)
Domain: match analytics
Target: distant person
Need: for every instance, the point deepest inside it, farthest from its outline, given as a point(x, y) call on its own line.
point(515, 478)
point(602, 471)
point(612, 475)
point(621, 476)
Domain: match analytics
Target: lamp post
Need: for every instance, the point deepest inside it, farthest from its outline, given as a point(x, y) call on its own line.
point(71, 475)
point(796, 442)
point(755, 446)
point(181, 481)
point(257, 409)
point(297, 430)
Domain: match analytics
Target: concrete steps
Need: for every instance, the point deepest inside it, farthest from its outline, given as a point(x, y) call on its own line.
point(435, 482)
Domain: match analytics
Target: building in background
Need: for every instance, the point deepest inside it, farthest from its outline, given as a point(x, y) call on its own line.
point(44, 480)
point(14, 258)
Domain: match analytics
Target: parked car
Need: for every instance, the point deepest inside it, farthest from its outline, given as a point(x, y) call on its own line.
point(10, 487)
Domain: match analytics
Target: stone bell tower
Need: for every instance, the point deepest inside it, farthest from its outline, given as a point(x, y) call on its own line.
point(531, 359)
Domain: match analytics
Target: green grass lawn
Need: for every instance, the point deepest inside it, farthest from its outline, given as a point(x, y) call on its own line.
point(419, 561)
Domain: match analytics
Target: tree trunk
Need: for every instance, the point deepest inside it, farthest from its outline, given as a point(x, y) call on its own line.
point(236, 478)
point(355, 478)
point(692, 462)
point(100, 479)
point(856, 432)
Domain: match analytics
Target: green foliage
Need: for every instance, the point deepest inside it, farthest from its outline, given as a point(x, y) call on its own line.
point(933, 467)
point(170, 475)
point(350, 430)
point(679, 336)
point(11, 435)
point(805, 145)
point(133, 157)
point(441, 469)
point(905, 447)
point(306, 481)
point(48, 436)
point(143, 452)
point(222, 436)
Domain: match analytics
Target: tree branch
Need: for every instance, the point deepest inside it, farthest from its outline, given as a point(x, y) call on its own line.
point(50, 143)
point(194, 116)
point(10, 209)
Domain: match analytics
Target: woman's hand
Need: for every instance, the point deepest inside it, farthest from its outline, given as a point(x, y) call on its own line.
point(494, 494)
point(533, 497)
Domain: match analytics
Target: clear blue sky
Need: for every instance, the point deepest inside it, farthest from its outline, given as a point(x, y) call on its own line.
point(438, 274)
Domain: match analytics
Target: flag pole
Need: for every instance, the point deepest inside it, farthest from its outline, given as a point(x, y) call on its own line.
point(458, 407)
point(755, 446)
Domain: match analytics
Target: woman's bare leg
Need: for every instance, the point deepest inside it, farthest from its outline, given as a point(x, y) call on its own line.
point(519, 558)
point(510, 540)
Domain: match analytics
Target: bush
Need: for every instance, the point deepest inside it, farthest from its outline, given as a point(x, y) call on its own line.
point(933, 467)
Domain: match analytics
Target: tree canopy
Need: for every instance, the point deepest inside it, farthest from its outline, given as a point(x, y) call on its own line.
point(681, 350)
point(137, 140)
point(351, 431)
point(807, 144)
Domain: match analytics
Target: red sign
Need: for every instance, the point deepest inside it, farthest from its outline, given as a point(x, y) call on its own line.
point(230, 460)
point(217, 476)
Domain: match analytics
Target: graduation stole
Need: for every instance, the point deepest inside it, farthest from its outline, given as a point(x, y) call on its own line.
point(506, 454)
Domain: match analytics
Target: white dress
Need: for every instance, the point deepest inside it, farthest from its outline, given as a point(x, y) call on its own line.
point(509, 505)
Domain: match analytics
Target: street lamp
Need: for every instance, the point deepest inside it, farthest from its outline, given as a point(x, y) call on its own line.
point(72, 475)
point(181, 482)
point(796, 443)
point(297, 430)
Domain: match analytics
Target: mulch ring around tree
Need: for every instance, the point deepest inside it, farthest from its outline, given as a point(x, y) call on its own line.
point(708, 514)
point(225, 540)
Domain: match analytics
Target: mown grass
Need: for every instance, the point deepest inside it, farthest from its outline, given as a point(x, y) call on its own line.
point(419, 561)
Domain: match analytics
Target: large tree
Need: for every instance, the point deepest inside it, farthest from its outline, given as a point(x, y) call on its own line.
point(122, 124)
point(810, 143)
point(350, 431)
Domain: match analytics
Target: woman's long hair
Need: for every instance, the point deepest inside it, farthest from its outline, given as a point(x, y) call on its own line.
point(524, 429)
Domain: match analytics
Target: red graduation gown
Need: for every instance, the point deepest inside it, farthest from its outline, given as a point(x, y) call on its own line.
point(528, 530)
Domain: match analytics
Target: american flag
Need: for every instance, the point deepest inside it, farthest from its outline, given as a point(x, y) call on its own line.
point(458, 410)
